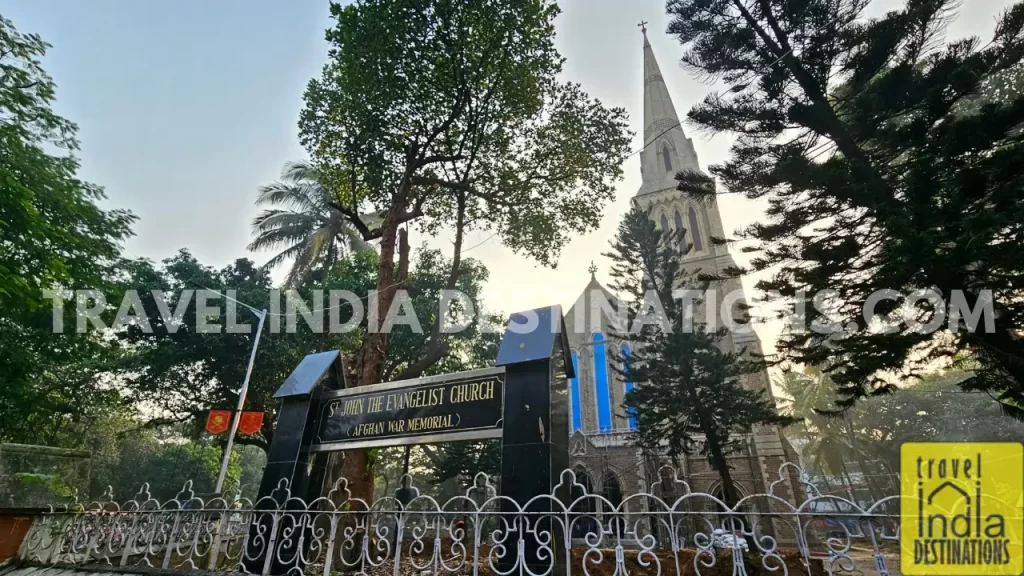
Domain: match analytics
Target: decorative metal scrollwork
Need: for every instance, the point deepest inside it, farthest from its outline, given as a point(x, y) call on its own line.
point(669, 529)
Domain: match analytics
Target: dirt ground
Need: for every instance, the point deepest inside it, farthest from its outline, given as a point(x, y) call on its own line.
point(607, 566)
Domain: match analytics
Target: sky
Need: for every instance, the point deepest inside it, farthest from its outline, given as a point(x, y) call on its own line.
point(186, 108)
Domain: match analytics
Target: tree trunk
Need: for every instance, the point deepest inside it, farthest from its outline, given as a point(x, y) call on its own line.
point(864, 470)
point(849, 484)
point(355, 465)
point(376, 344)
point(721, 465)
point(824, 477)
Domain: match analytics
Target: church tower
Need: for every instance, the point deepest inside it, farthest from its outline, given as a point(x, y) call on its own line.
point(601, 448)
point(668, 151)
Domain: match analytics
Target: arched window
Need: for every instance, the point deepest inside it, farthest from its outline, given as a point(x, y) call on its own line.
point(666, 157)
point(577, 419)
point(581, 524)
point(698, 242)
point(612, 491)
point(731, 524)
point(664, 224)
point(629, 388)
point(601, 387)
point(680, 229)
point(583, 479)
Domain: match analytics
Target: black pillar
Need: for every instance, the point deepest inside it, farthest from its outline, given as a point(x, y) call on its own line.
point(535, 437)
point(291, 460)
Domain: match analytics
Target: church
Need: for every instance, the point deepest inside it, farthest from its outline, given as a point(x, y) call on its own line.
point(604, 459)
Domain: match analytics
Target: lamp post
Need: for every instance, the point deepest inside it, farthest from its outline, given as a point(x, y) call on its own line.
point(262, 315)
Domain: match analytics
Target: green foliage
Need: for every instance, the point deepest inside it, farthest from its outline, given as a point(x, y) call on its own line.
point(53, 236)
point(167, 465)
point(182, 372)
point(467, 349)
point(186, 372)
point(890, 160)
point(54, 484)
point(934, 409)
point(389, 464)
point(829, 442)
point(29, 479)
point(53, 233)
point(464, 460)
point(451, 111)
point(126, 453)
point(252, 460)
point(687, 382)
point(312, 232)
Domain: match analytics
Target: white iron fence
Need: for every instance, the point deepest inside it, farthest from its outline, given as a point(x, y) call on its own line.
point(668, 530)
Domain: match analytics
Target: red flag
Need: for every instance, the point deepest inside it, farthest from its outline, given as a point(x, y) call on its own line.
point(251, 422)
point(218, 421)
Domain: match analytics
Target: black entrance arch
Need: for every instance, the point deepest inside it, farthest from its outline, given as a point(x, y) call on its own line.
point(522, 400)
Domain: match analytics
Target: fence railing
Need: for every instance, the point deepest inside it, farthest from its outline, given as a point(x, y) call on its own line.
point(667, 530)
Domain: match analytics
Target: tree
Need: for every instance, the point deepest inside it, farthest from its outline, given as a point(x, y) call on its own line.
point(688, 398)
point(389, 467)
point(312, 232)
point(464, 460)
point(182, 372)
point(54, 234)
point(830, 440)
point(53, 237)
point(888, 164)
point(449, 114)
point(165, 458)
point(934, 409)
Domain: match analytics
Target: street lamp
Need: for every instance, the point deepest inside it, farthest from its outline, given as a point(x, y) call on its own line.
point(262, 315)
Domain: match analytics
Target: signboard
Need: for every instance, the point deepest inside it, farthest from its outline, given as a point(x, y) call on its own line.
point(459, 406)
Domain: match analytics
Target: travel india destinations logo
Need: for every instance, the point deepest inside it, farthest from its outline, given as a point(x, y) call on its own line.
point(961, 508)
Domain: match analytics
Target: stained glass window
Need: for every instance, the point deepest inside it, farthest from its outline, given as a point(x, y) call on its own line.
point(577, 419)
point(629, 387)
point(601, 388)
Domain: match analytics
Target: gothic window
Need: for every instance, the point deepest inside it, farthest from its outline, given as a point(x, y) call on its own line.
point(680, 229)
point(664, 224)
point(736, 525)
point(583, 479)
point(577, 416)
point(629, 388)
point(612, 491)
point(582, 525)
point(601, 384)
point(698, 242)
point(666, 157)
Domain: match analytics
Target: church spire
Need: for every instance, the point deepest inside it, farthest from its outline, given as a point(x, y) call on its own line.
point(667, 150)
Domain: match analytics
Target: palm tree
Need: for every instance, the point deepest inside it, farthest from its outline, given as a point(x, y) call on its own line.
point(831, 441)
point(310, 231)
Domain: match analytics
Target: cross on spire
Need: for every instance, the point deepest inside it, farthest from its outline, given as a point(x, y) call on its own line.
point(592, 269)
point(643, 25)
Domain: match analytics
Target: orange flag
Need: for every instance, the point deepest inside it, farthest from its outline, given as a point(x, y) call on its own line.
point(218, 421)
point(251, 422)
